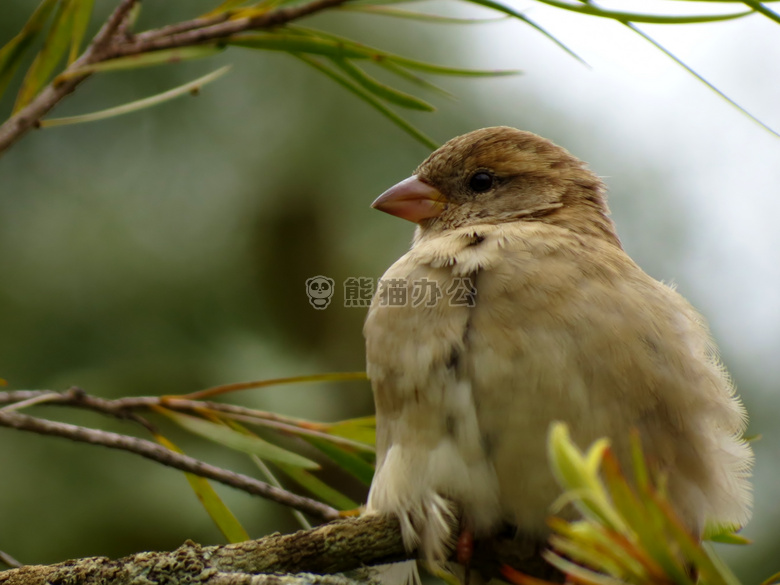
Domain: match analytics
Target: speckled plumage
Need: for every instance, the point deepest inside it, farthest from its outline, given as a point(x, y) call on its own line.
point(564, 326)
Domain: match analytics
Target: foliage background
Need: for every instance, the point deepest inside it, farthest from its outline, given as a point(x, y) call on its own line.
point(167, 251)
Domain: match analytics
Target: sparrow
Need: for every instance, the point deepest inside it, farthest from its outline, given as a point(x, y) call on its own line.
point(517, 306)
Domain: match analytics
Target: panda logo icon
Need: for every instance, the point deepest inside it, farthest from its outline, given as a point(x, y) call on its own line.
point(319, 289)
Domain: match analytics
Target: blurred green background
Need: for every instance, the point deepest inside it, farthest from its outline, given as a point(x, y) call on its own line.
point(167, 251)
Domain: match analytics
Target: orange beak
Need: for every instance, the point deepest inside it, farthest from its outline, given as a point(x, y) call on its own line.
point(411, 199)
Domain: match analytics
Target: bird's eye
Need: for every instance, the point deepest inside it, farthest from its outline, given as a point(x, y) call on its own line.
point(481, 181)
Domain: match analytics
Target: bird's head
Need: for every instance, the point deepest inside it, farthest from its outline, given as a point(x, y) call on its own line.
point(498, 175)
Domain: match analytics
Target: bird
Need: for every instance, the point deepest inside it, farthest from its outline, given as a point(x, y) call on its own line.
point(517, 306)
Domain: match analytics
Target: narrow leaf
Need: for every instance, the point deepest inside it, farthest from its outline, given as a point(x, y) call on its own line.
point(225, 520)
point(187, 88)
point(710, 569)
point(371, 100)
point(497, 6)
point(383, 2)
point(163, 57)
point(226, 6)
point(297, 43)
point(729, 538)
point(381, 57)
point(772, 580)
point(11, 54)
point(349, 462)
point(643, 524)
point(267, 473)
point(578, 573)
point(700, 78)
point(305, 479)
point(759, 7)
point(646, 18)
point(226, 388)
point(595, 554)
point(320, 43)
point(361, 429)
point(81, 12)
point(235, 440)
point(54, 48)
point(381, 90)
point(318, 488)
point(515, 576)
point(420, 16)
point(413, 78)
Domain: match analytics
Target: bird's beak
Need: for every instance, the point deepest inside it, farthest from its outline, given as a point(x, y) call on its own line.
point(411, 199)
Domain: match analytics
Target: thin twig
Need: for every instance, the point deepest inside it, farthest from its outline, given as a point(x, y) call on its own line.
point(32, 401)
point(107, 44)
point(123, 408)
point(271, 478)
point(76, 397)
point(114, 22)
point(181, 27)
point(300, 431)
point(9, 560)
point(167, 457)
point(222, 30)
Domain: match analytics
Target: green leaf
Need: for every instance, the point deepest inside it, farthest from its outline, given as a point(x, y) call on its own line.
point(312, 483)
point(759, 7)
point(295, 43)
point(729, 538)
point(772, 580)
point(710, 570)
point(225, 520)
point(724, 533)
point(226, 6)
point(349, 462)
point(371, 100)
point(380, 89)
point(362, 430)
point(420, 16)
point(497, 6)
point(413, 78)
point(581, 574)
point(646, 18)
point(643, 522)
point(318, 488)
point(237, 386)
point(11, 54)
point(381, 57)
point(382, 2)
point(82, 10)
point(187, 88)
point(597, 549)
point(54, 48)
point(319, 43)
point(163, 57)
point(238, 441)
point(672, 56)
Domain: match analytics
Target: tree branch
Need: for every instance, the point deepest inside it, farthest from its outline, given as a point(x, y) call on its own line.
point(195, 34)
point(167, 457)
point(109, 44)
point(114, 22)
point(332, 548)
